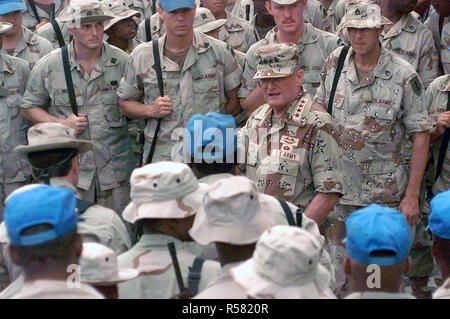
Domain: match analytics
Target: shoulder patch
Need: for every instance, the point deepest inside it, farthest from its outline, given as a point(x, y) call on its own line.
point(415, 85)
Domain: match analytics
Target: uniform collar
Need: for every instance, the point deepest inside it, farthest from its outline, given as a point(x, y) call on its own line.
point(102, 61)
point(60, 182)
point(5, 64)
point(445, 87)
point(407, 23)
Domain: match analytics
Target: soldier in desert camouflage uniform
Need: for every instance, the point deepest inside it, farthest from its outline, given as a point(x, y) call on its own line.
point(106, 168)
point(45, 12)
point(288, 144)
point(314, 46)
point(441, 31)
point(157, 29)
point(200, 75)
point(377, 104)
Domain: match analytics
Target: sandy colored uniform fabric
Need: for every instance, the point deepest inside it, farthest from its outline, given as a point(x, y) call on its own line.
point(31, 47)
point(29, 20)
point(157, 28)
point(14, 171)
point(56, 289)
point(109, 164)
point(313, 48)
point(414, 42)
point(47, 32)
point(442, 39)
point(209, 71)
point(156, 278)
point(302, 164)
point(238, 33)
point(436, 98)
point(372, 117)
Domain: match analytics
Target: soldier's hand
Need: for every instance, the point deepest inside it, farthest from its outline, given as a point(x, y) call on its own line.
point(79, 123)
point(443, 122)
point(40, 24)
point(161, 107)
point(409, 206)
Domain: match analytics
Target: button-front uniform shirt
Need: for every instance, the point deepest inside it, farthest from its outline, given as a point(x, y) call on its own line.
point(442, 39)
point(96, 96)
point(372, 116)
point(157, 29)
point(29, 20)
point(199, 87)
point(46, 31)
point(238, 33)
point(314, 47)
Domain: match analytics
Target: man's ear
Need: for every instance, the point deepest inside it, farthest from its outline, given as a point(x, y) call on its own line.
point(75, 163)
point(347, 266)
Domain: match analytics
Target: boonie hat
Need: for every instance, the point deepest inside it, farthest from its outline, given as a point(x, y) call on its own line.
point(363, 15)
point(121, 12)
point(205, 22)
point(84, 11)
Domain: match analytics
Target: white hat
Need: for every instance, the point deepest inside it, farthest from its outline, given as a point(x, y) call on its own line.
point(231, 213)
point(285, 265)
point(121, 12)
point(163, 190)
point(205, 22)
point(99, 266)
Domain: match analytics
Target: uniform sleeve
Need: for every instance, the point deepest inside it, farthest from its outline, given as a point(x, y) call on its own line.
point(140, 35)
point(325, 171)
point(131, 86)
point(45, 46)
point(247, 82)
point(428, 60)
point(232, 71)
point(250, 36)
point(321, 96)
point(415, 114)
point(120, 240)
point(36, 93)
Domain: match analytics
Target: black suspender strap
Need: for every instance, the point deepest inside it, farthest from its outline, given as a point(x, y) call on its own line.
point(69, 82)
point(148, 32)
point(33, 7)
point(153, 6)
point(299, 216)
point(52, 12)
point(195, 275)
point(158, 70)
point(337, 75)
point(58, 33)
point(444, 145)
point(247, 12)
point(82, 206)
point(287, 211)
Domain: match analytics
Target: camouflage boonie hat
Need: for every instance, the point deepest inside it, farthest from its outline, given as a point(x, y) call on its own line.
point(276, 61)
point(50, 136)
point(363, 15)
point(84, 11)
point(204, 21)
point(163, 190)
point(121, 11)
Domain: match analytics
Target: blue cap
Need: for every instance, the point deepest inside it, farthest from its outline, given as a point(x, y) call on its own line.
point(7, 6)
point(172, 5)
point(40, 205)
point(216, 132)
point(439, 219)
point(376, 228)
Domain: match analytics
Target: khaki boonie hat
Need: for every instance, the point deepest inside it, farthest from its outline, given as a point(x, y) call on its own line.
point(276, 61)
point(83, 11)
point(99, 266)
point(163, 190)
point(231, 213)
point(285, 265)
point(5, 26)
point(121, 12)
point(363, 15)
point(50, 136)
point(205, 22)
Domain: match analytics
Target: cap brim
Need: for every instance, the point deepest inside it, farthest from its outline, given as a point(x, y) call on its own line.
point(128, 14)
point(81, 145)
point(273, 73)
point(369, 24)
point(12, 6)
point(204, 233)
point(165, 209)
point(210, 26)
point(124, 274)
point(172, 6)
point(260, 287)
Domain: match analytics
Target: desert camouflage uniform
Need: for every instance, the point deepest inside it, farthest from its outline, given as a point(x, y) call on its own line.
point(29, 20)
point(156, 278)
point(47, 32)
point(209, 71)
point(331, 19)
point(238, 33)
point(31, 47)
point(442, 40)
point(315, 13)
point(313, 47)
point(413, 42)
point(443, 292)
point(157, 28)
point(105, 169)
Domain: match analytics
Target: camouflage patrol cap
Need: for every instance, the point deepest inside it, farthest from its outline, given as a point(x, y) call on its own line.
point(276, 61)
point(120, 10)
point(84, 11)
point(163, 190)
point(231, 213)
point(285, 265)
point(363, 15)
point(205, 22)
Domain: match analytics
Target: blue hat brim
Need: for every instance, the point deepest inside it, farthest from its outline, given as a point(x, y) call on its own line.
point(12, 6)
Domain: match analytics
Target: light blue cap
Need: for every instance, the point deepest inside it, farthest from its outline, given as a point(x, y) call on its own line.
point(7, 6)
point(439, 219)
point(172, 5)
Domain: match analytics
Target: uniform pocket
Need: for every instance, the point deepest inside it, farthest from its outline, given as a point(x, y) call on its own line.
point(207, 90)
point(379, 122)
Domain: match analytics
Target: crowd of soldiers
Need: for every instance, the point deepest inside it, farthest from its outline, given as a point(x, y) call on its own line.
point(216, 149)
